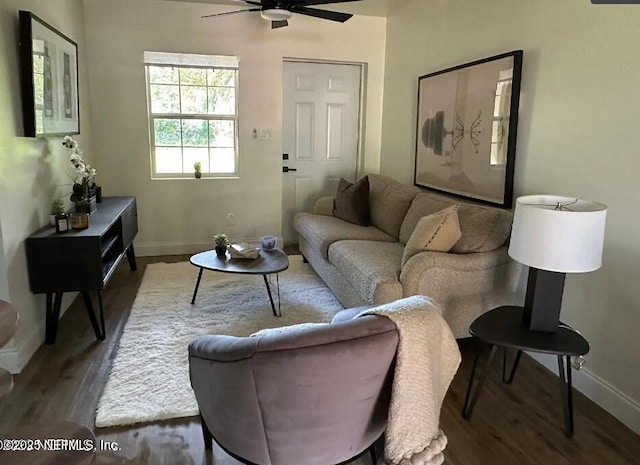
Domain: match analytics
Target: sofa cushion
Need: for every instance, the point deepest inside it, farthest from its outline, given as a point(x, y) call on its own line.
point(320, 231)
point(389, 201)
point(423, 204)
point(352, 202)
point(437, 232)
point(483, 228)
point(371, 267)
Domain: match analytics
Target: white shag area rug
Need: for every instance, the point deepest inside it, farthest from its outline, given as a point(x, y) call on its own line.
point(149, 378)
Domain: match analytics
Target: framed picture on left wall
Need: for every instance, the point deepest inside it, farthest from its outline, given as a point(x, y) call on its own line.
point(49, 78)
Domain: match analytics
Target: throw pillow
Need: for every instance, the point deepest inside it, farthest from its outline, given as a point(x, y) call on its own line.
point(352, 202)
point(438, 232)
point(286, 329)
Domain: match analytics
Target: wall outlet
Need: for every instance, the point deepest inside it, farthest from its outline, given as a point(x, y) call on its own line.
point(230, 218)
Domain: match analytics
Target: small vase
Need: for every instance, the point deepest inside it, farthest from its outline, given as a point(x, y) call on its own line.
point(221, 250)
point(197, 174)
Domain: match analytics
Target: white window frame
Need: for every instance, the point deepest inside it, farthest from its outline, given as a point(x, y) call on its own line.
point(498, 157)
point(189, 61)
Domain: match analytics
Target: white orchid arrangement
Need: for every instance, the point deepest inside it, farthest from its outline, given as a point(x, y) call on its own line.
point(84, 176)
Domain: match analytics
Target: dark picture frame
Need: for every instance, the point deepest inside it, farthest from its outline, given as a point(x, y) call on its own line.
point(49, 78)
point(466, 131)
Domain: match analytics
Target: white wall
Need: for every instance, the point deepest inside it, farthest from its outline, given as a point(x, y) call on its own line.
point(179, 216)
point(32, 171)
point(578, 136)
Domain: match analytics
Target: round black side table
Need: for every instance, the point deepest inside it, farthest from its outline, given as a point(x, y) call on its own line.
point(503, 328)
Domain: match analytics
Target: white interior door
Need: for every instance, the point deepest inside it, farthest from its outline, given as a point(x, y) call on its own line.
point(321, 133)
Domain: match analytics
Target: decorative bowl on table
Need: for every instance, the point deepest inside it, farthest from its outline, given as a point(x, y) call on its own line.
point(268, 242)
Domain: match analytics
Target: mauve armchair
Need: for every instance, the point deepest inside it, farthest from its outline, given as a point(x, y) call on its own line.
point(313, 396)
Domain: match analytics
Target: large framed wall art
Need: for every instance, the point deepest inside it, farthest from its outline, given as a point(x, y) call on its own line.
point(467, 127)
point(49, 75)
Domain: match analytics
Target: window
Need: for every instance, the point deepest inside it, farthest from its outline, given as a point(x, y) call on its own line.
point(501, 113)
point(193, 116)
point(41, 83)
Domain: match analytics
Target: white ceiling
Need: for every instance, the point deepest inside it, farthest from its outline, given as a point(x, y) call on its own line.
point(363, 7)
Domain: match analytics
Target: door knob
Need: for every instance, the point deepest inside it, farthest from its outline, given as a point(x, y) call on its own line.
point(286, 169)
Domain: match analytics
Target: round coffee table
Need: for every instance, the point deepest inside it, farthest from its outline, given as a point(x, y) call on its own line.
point(269, 262)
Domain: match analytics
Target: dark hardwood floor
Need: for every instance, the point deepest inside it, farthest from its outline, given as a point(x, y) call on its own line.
point(512, 424)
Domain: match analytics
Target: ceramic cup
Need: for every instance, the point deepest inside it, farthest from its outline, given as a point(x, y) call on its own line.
point(268, 242)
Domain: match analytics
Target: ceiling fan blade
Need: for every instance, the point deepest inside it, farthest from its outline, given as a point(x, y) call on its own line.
point(322, 14)
point(278, 24)
point(236, 2)
point(231, 12)
point(325, 2)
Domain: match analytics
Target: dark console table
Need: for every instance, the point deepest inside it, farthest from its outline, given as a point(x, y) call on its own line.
point(82, 260)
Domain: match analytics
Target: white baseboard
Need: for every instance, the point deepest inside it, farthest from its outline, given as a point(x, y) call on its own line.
point(617, 403)
point(154, 249)
point(15, 360)
point(9, 359)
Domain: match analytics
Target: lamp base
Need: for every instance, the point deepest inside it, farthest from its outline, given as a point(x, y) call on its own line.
point(543, 300)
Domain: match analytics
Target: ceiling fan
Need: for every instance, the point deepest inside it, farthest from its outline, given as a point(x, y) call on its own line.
point(279, 11)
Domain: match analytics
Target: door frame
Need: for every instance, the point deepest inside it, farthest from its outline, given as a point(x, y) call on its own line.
point(361, 100)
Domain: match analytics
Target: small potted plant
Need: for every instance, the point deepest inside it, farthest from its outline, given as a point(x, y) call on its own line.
point(197, 166)
point(57, 208)
point(221, 241)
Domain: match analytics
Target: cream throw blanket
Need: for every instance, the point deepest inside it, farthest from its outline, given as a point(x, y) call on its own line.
point(426, 360)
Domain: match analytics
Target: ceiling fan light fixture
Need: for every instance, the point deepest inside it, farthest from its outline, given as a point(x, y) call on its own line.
point(275, 14)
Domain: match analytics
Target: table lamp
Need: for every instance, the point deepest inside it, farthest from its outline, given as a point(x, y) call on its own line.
point(553, 236)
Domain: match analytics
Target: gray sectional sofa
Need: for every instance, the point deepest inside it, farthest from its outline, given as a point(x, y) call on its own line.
point(362, 264)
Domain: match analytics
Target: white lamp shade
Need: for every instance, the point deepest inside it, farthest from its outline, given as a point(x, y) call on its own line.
point(275, 14)
point(565, 240)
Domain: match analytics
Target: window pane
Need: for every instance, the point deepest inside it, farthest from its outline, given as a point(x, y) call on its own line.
point(192, 155)
point(221, 133)
point(38, 89)
point(222, 160)
point(496, 106)
point(163, 75)
point(494, 154)
point(222, 100)
point(194, 133)
point(495, 133)
point(221, 77)
point(38, 63)
point(168, 160)
point(194, 99)
point(167, 131)
point(193, 77)
point(39, 121)
point(165, 99)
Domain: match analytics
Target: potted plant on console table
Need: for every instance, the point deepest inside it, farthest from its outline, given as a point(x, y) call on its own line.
point(57, 208)
point(84, 187)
